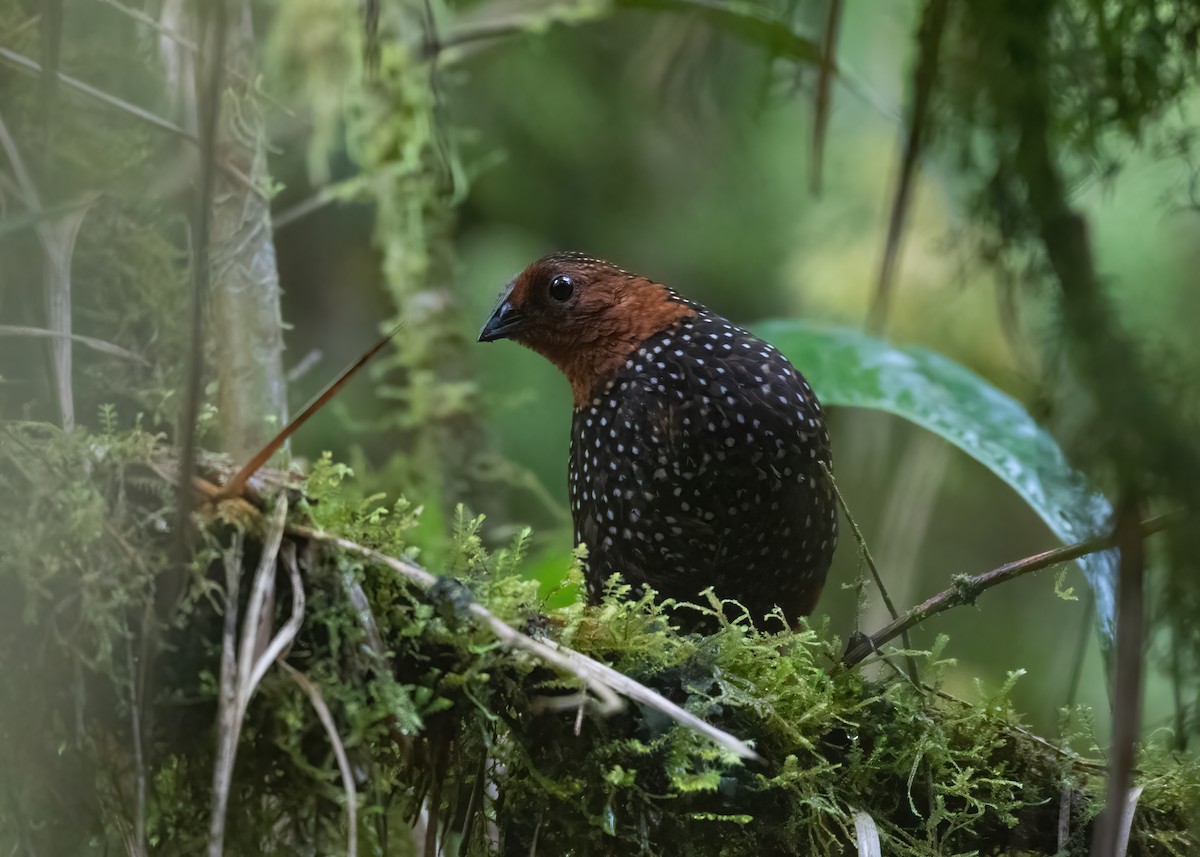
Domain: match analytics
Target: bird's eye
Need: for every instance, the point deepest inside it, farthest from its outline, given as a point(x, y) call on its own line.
point(561, 288)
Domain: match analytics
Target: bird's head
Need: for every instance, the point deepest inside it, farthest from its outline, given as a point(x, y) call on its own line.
point(584, 315)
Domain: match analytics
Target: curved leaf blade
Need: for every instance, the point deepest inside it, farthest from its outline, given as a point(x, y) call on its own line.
point(849, 368)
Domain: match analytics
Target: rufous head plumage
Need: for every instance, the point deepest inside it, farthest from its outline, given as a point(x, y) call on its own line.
point(584, 315)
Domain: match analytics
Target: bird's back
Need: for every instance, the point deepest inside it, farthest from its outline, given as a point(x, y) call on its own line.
point(699, 464)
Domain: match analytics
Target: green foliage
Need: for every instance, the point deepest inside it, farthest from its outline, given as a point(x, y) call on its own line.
point(443, 707)
point(109, 644)
point(850, 368)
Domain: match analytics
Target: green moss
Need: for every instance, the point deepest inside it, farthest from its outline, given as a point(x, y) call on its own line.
point(444, 706)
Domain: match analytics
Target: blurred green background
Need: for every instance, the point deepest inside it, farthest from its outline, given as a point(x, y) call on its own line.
point(684, 152)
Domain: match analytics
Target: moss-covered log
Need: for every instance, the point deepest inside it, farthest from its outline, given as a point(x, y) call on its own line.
point(445, 728)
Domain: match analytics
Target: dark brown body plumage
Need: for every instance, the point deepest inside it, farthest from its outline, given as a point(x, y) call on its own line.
point(695, 452)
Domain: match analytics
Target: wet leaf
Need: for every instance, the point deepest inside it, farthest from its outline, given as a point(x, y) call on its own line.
point(849, 368)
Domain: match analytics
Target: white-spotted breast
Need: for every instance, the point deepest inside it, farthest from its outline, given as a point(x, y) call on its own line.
point(696, 448)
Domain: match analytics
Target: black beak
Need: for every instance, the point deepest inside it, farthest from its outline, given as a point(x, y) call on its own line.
point(505, 321)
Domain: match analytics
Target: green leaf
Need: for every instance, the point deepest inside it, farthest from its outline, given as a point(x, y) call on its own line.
point(848, 368)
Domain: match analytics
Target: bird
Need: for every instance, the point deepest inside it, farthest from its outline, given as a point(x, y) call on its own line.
point(699, 456)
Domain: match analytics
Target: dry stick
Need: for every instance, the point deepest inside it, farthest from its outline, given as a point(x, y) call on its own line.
point(1064, 817)
point(90, 341)
point(237, 483)
point(1128, 809)
point(139, 759)
point(227, 700)
point(966, 588)
point(318, 703)
point(1085, 627)
point(1127, 701)
point(57, 238)
point(339, 750)
point(929, 40)
point(1075, 758)
point(866, 835)
point(866, 552)
point(184, 42)
point(25, 64)
point(604, 681)
point(824, 93)
point(241, 674)
point(210, 105)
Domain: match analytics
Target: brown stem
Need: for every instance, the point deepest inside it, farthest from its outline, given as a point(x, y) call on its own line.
point(824, 93)
point(929, 40)
point(237, 483)
point(870, 560)
point(966, 588)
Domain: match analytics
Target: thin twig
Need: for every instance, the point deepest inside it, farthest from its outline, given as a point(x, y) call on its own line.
point(929, 40)
point(1129, 808)
point(57, 237)
point(237, 483)
point(1180, 707)
point(304, 365)
point(866, 553)
point(288, 553)
point(25, 64)
point(147, 20)
point(139, 759)
point(1085, 627)
point(1018, 729)
point(188, 45)
point(603, 681)
point(210, 106)
point(302, 209)
point(254, 659)
point(242, 673)
point(227, 700)
point(32, 198)
point(339, 750)
point(51, 39)
point(967, 588)
point(824, 93)
point(90, 341)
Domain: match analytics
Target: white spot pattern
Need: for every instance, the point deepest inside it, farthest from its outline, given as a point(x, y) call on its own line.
point(696, 499)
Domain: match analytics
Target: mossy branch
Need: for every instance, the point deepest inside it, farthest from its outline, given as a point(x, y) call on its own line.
point(605, 682)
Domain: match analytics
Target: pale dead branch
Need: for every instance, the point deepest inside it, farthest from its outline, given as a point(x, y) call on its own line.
point(606, 683)
point(57, 237)
point(866, 835)
point(339, 750)
point(242, 670)
point(90, 341)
